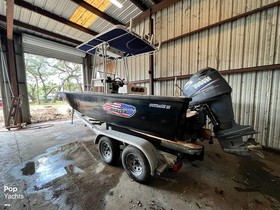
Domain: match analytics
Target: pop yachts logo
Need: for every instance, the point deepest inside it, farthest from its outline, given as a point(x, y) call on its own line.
point(11, 193)
point(120, 109)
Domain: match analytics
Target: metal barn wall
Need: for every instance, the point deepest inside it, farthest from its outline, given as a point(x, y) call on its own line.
point(256, 101)
point(232, 42)
point(246, 42)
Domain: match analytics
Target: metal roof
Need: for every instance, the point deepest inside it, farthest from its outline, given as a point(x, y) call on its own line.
point(65, 9)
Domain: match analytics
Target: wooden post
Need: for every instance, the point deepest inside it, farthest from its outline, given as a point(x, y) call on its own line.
point(12, 65)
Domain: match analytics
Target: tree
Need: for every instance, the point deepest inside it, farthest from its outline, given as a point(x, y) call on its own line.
point(67, 71)
point(32, 66)
point(47, 76)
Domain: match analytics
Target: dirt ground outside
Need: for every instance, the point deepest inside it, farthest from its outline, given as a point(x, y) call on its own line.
point(44, 113)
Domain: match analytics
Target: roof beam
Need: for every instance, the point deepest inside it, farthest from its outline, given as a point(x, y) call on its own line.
point(98, 12)
point(43, 31)
point(53, 16)
point(139, 4)
point(153, 9)
point(155, 1)
point(163, 4)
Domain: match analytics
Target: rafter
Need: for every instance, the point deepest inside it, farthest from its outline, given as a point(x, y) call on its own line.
point(154, 8)
point(163, 4)
point(140, 5)
point(48, 14)
point(155, 1)
point(98, 12)
point(40, 30)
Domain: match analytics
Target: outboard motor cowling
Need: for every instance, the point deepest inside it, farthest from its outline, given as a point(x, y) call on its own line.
point(208, 88)
point(205, 85)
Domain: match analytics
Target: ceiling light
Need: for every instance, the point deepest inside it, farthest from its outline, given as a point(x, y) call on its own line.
point(116, 3)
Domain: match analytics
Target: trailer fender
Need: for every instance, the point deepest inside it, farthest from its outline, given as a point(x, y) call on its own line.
point(145, 146)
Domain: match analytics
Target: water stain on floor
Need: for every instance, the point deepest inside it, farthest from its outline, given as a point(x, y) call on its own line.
point(68, 175)
point(29, 168)
point(45, 168)
point(257, 177)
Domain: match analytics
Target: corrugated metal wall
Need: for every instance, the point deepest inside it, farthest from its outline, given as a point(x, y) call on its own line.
point(256, 101)
point(248, 41)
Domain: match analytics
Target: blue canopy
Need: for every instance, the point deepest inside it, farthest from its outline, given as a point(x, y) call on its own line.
point(120, 39)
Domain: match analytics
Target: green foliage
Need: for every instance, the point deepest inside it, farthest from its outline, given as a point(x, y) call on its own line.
point(47, 76)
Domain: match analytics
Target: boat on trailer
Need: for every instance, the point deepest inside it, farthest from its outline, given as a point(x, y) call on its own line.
point(154, 132)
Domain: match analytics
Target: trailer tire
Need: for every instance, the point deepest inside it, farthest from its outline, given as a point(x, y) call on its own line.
point(109, 150)
point(136, 164)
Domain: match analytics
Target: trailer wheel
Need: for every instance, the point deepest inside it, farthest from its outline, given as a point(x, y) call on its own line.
point(109, 150)
point(136, 164)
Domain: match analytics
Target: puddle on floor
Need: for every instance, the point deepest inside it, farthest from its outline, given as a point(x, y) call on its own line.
point(65, 176)
point(42, 170)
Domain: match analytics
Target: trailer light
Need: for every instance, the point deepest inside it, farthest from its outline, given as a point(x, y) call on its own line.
point(177, 166)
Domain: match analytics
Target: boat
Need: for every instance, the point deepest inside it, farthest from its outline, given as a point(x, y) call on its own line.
point(155, 115)
point(168, 119)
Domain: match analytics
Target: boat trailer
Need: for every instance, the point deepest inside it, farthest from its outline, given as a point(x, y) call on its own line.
point(140, 158)
point(152, 133)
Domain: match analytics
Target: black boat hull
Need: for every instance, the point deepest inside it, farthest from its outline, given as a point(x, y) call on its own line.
point(164, 117)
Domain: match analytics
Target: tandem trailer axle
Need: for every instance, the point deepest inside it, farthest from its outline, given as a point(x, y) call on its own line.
point(141, 158)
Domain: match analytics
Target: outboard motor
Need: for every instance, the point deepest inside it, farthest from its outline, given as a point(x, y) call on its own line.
point(209, 89)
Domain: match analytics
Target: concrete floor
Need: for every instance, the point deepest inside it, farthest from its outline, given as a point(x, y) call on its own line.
point(67, 176)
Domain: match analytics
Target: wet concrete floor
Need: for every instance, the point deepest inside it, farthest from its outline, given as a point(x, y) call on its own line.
point(57, 166)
